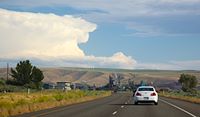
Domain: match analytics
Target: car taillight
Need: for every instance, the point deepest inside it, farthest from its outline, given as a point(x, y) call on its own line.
point(153, 94)
point(138, 94)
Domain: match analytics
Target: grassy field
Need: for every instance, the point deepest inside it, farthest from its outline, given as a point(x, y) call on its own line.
point(194, 98)
point(18, 103)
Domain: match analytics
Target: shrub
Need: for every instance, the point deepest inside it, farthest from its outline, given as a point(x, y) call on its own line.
point(58, 97)
point(5, 104)
point(43, 99)
point(21, 102)
point(188, 82)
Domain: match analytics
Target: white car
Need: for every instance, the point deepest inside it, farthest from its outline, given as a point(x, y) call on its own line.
point(146, 94)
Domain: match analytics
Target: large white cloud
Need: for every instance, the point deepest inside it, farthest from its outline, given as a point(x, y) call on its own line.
point(117, 60)
point(52, 38)
point(42, 34)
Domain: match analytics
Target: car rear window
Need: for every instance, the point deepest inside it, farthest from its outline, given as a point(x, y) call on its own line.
point(145, 89)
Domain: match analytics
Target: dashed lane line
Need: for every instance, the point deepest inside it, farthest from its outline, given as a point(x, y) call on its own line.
point(114, 113)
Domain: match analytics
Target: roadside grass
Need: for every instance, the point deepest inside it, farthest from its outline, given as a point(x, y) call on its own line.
point(18, 103)
point(180, 95)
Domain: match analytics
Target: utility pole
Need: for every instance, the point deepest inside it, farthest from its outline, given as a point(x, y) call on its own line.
point(7, 71)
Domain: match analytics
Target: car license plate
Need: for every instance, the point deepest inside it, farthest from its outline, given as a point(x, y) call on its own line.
point(146, 98)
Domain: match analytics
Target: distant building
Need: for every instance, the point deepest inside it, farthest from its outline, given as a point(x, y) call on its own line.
point(63, 85)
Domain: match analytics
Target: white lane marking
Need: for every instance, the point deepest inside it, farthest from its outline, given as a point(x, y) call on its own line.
point(114, 113)
point(178, 108)
point(122, 106)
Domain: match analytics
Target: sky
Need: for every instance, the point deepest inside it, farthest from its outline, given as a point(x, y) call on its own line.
point(125, 34)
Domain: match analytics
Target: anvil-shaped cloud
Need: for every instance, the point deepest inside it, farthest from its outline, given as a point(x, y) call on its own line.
point(52, 38)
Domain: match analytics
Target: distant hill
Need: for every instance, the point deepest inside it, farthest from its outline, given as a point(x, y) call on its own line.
point(100, 76)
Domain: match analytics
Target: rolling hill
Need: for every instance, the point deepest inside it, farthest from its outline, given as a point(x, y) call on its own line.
point(100, 76)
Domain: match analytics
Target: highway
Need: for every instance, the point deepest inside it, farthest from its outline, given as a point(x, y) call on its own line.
point(121, 105)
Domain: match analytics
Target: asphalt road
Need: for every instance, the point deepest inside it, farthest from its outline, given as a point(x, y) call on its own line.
point(121, 105)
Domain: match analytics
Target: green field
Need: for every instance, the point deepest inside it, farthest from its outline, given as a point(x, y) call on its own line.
point(18, 103)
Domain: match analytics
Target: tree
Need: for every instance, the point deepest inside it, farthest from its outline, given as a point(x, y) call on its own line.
point(143, 83)
point(36, 77)
point(27, 75)
point(22, 72)
point(2, 81)
point(188, 82)
point(131, 84)
point(111, 82)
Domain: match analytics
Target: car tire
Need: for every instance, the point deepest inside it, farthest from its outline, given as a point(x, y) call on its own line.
point(156, 103)
point(136, 103)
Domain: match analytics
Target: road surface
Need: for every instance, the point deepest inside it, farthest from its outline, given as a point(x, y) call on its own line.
point(121, 105)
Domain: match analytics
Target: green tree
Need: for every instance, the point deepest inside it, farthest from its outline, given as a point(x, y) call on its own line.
point(143, 83)
point(27, 75)
point(131, 84)
point(2, 81)
point(22, 72)
point(36, 77)
point(188, 82)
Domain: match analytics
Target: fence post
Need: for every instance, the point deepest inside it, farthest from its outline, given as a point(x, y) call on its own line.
point(28, 91)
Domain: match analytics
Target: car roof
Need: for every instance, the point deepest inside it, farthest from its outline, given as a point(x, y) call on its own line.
point(145, 87)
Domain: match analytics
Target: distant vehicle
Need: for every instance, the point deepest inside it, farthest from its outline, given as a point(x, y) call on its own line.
point(49, 86)
point(63, 85)
point(145, 94)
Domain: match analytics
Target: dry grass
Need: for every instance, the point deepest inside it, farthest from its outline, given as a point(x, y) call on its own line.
point(18, 103)
point(180, 96)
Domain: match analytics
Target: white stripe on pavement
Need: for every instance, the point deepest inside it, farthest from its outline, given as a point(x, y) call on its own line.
point(114, 113)
point(178, 108)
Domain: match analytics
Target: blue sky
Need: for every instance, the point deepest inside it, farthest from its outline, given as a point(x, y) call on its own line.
point(158, 34)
